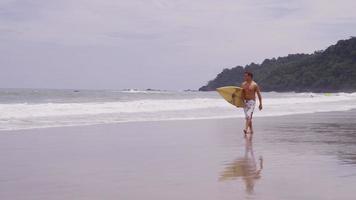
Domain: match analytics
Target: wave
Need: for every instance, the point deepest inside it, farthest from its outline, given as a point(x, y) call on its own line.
point(39, 115)
point(25, 110)
point(142, 91)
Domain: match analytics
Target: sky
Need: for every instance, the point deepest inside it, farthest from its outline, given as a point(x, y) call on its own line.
point(159, 44)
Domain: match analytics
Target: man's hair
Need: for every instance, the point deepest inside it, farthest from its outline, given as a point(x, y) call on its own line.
point(249, 74)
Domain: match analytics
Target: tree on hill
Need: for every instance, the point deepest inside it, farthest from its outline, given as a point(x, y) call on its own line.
point(332, 69)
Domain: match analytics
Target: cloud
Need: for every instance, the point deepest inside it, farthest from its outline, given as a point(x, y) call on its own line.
point(19, 10)
point(9, 31)
point(188, 41)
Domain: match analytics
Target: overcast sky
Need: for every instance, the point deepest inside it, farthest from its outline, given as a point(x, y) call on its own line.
point(166, 44)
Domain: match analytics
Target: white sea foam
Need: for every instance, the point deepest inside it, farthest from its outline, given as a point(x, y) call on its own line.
point(38, 115)
point(138, 106)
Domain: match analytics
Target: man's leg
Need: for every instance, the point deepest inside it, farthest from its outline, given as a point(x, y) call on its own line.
point(247, 119)
point(250, 125)
point(246, 125)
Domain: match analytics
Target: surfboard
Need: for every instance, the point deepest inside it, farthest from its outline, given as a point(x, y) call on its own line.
point(232, 94)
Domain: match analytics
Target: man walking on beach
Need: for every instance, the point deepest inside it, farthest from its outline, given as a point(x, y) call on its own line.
point(250, 88)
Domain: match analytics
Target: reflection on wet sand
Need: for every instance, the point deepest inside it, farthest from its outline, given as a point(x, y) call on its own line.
point(244, 167)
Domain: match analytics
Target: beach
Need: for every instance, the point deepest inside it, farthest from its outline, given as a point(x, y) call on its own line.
point(153, 100)
point(306, 156)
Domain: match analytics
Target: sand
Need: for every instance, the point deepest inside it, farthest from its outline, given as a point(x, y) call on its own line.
point(309, 156)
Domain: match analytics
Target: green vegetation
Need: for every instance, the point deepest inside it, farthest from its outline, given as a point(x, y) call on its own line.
point(331, 70)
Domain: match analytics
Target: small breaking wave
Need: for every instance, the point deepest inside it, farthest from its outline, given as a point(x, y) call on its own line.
point(15, 116)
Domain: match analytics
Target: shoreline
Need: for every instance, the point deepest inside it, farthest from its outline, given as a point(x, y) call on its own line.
point(178, 119)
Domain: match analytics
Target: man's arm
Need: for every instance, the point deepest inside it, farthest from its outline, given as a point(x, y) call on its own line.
point(259, 96)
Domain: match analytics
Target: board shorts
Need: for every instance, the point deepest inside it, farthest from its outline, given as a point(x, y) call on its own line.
point(249, 107)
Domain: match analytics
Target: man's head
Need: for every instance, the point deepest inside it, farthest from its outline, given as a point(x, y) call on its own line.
point(248, 76)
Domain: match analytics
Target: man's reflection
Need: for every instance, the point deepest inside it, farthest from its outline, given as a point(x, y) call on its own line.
point(244, 167)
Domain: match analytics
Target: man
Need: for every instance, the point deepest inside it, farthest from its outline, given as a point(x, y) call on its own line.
point(250, 88)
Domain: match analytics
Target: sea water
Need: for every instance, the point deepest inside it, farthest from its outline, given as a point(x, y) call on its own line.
point(40, 108)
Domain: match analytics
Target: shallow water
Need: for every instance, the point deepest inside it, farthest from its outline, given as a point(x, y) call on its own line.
point(303, 157)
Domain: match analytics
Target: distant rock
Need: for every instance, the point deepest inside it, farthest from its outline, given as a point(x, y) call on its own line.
point(190, 90)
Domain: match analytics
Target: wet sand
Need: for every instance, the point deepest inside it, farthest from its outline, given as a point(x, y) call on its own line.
point(291, 157)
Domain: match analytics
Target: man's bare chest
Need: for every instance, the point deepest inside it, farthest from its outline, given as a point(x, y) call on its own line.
point(249, 88)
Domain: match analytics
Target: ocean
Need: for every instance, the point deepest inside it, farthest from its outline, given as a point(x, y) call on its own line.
point(41, 108)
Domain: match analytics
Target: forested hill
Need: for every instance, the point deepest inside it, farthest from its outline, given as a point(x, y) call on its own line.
point(331, 70)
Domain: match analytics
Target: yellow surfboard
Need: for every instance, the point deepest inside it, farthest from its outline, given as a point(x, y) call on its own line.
point(232, 94)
